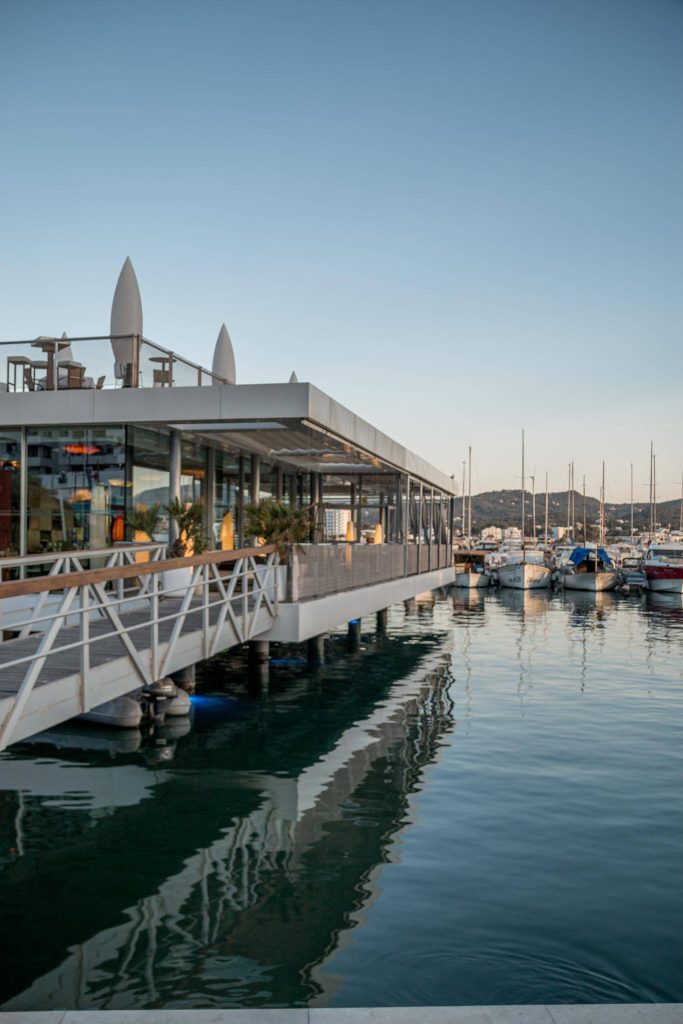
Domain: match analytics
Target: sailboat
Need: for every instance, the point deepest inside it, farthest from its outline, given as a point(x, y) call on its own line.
point(522, 574)
point(591, 568)
point(470, 565)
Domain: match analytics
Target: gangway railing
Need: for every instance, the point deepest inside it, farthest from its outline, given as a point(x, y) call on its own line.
point(148, 610)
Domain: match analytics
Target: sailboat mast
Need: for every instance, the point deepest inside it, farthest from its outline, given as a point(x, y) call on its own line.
point(602, 508)
point(463, 527)
point(654, 493)
point(573, 505)
point(681, 526)
point(533, 508)
point(545, 525)
point(585, 527)
point(523, 483)
point(651, 458)
point(469, 498)
point(569, 498)
point(631, 502)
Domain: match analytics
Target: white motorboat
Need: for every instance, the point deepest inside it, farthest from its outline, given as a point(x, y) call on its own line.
point(589, 569)
point(524, 573)
point(469, 570)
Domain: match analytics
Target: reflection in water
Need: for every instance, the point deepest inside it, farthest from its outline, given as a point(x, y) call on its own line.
point(338, 841)
point(207, 916)
point(524, 603)
point(467, 604)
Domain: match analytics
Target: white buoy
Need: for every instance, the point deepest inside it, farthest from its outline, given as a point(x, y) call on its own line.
point(120, 713)
point(293, 379)
point(126, 317)
point(179, 705)
point(224, 357)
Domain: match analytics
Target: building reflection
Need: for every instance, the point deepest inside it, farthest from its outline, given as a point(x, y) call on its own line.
point(234, 877)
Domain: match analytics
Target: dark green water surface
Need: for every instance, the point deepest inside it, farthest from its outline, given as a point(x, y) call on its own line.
point(483, 806)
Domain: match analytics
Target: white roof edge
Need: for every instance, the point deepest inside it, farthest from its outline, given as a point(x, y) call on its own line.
point(211, 404)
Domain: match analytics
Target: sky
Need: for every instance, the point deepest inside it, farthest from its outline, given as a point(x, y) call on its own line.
point(458, 218)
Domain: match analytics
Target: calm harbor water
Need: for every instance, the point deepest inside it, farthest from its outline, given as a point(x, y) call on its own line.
point(482, 806)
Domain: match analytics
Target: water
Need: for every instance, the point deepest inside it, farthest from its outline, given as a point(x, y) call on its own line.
point(483, 806)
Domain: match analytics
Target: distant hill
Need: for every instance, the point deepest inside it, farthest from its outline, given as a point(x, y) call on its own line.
point(504, 508)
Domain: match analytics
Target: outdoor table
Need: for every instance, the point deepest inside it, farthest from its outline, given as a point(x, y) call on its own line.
point(50, 346)
point(162, 376)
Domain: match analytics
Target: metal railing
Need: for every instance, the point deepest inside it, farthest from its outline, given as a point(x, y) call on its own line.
point(59, 563)
point(211, 597)
point(98, 361)
point(322, 569)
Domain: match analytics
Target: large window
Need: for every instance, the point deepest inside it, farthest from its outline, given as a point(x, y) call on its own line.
point(226, 494)
point(76, 487)
point(193, 472)
point(10, 492)
point(150, 477)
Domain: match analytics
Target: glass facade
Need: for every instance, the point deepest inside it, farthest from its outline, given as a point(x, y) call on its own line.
point(10, 493)
point(226, 495)
point(148, 459)
point(76, 487)
point(81, 484)
point(193, 471)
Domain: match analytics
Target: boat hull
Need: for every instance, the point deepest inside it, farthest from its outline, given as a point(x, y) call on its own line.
point(471, 580)
point(524, 576)
point(667, 581)
point(593, 582)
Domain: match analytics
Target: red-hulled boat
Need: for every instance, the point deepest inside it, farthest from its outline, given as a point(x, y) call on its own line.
point(663, 567)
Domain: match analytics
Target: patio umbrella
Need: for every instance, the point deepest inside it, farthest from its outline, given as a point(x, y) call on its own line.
point(224, 357)
point(126, 318)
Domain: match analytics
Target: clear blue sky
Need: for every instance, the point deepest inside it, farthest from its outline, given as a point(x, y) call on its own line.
point(460, 218)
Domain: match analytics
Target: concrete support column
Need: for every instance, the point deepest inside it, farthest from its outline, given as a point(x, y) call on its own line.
point(210, 495)
point(259, 663)
point(410, 605)
point(241, 486)
point(354, 634)
point(185, 678)
point(259, 652)
point(382, 621)
point(175, 468)
point(315, 651)
point(254, 488)
point(279, 488)
point(255, 483)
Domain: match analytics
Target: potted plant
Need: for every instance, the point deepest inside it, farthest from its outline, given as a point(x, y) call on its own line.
point(143, 522)
point(191, 540)
point(286, 528)
point(277, 524)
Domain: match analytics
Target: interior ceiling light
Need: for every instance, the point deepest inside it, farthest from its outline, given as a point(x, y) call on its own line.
point(82, 449)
